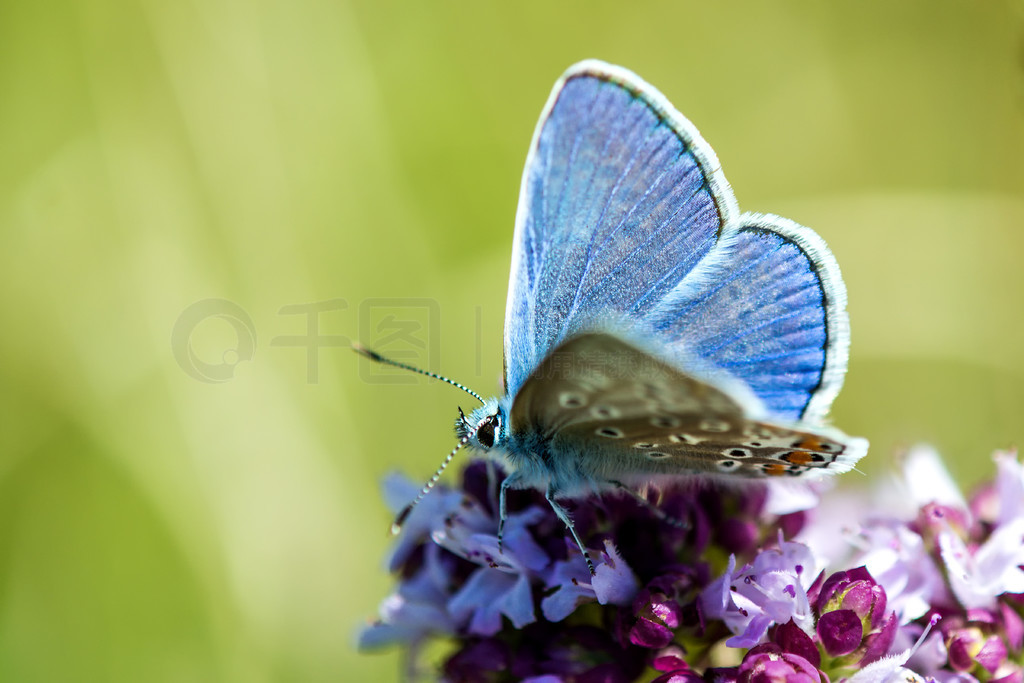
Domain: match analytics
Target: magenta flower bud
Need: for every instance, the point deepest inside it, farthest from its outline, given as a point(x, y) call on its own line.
point(676, 670)
point(878, 644)
point(992, 654)
point(840, 631)
point(649, 633)
point(1013, 625)
point(853, 616)
point(867, 599)
point(968, 646)
point(791, 638)
point(814, 592)
point(935, 518)
point(657, 617)
point(854, 590)
point(833, 588)
point(769, 664)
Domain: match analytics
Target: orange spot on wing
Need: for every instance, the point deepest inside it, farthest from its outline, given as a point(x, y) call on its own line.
point(798, 458)
point(774, 469)
point(810, 443)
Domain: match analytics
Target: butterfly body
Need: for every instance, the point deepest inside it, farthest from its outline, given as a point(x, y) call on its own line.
point(652, 330)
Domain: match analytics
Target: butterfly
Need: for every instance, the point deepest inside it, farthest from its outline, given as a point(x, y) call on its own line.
point(652, 330)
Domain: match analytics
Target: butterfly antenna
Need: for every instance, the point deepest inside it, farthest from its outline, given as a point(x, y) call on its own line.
point(396, 526)
point(374, 356)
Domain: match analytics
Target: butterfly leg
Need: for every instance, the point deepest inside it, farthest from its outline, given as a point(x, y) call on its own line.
point(567, 521)
point(654, 509)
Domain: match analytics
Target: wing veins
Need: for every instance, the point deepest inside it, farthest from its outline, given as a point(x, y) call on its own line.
point(598, 222)
point(608, 237)
point(757, 328)
point(774, 356)
point(577, 137)
point(651, 237)
point(733, 276)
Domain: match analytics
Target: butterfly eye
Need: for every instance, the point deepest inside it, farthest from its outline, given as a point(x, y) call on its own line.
point(485, 433)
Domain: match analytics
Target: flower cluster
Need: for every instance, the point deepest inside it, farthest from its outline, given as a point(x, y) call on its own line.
point(958, 563)
point(749, 588)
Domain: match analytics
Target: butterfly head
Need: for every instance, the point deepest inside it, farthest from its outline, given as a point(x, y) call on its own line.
point(484, 428)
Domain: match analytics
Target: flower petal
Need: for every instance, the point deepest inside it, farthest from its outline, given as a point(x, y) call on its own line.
point(614, 582)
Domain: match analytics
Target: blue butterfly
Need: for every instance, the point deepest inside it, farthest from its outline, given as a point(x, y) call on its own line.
point(652, 331)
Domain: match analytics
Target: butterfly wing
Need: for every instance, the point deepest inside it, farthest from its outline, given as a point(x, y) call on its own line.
point(772, 312)
point(620, 199)
point(624, 211)
point(602, 408)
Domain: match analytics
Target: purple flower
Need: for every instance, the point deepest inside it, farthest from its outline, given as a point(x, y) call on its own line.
point(968, 646)
point(489, 594)
point(768, 663)
point(979, 576)
point(852, 615)
point(898, 558)
point(928, 654)
point(422, 521)
point(973, 643)
point(502, 585)
point(613, 583)
point(980, 572)
point(840, 631)
point(792, 639)
point(853, 590)
point(1013, 626)
point(944, 547)
point(676, 669)
point(657, 617)
point(770, 590)
point(1009, 487)
point(930, 554)
point(417, 609)
point(893, 668)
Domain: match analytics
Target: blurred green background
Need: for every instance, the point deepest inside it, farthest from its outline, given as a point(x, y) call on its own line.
point(366, 155)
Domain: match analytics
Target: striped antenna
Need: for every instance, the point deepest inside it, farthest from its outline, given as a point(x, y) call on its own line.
point(374, 356)
point(396, 526)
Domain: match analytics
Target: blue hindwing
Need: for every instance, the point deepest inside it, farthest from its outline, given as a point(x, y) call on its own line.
point(771, 312)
